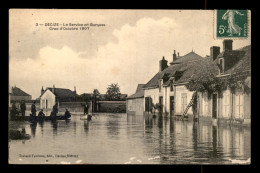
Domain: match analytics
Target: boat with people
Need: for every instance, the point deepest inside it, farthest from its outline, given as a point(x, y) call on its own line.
point(53, 117)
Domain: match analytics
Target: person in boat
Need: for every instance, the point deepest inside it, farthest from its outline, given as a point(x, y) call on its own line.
point(14, 110)
point(41, 114)
point(23, 108)
point(86, 109)
point(33, 109)
point(55, 109)
point(67, 114)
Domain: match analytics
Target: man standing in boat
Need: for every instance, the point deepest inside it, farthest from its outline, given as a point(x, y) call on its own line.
point(23, 108)
point(86, 109)
point(55, 109)
point(33, 109)
point(14, 110)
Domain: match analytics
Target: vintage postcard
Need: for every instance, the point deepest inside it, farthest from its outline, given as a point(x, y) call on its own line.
point(129, 86)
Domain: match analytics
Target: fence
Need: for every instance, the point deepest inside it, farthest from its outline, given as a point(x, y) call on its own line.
point(72, 106)
point(112, 106)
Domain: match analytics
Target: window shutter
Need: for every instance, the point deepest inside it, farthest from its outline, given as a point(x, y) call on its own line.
point(241, 105)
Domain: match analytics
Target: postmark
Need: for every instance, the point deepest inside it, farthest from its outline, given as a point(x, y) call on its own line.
point(231, 24)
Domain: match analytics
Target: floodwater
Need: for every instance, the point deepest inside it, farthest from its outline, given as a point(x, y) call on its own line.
point(128, 139)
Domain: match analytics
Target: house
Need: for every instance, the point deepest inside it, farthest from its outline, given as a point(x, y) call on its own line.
point(17, 95)
point(163, 88)
point(231, 100)
point(221, 81)
point(134, 103)
point(53, 95)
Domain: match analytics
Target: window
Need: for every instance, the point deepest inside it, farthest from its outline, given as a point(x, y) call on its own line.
point(46, 104)
point(183, 101)
point(239, 101)
point(226, 104)
point(205, 104)
point(43, 104)
point(160, 85)
point(221, 65)
point(171, 85)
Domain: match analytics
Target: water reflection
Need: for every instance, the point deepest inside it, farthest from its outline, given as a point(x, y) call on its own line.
point(18, 134)
point(33, 126)
point(117, 138)
point(112, 127)
point(54, 125)
point(185, 141)
point(195, 135)
point(86, 125)
point(41, 124)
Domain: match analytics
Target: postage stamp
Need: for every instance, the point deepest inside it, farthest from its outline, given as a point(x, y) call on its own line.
point(232, 23)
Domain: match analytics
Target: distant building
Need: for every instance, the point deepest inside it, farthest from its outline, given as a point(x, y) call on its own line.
point(134, 103)
point(16, 94)
point(53, 95)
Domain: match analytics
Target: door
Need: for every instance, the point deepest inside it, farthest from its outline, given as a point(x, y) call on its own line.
point(161, 103)
point(214, 105)
point(171, 105)
point(146, 104)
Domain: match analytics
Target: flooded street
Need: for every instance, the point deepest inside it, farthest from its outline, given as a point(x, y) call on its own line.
point(128, 139)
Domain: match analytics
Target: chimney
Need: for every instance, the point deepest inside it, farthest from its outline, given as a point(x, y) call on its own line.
point(42, 90)
point(174, 56)
point(227, 44)
point(53, 89)
point(214, 52)
point(75, 90)
point(162, 64)
point(178, 54)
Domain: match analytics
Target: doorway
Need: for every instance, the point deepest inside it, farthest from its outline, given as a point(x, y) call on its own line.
point(214, 106)
point(147, 104)
point(171, 105)
point(161, 103)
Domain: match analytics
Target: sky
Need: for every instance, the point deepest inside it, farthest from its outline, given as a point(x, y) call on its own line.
point(126, 50)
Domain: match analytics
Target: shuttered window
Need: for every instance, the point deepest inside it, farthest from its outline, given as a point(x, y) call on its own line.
point(239, 103)
point(183, 101)
point(226, 104)
point(171, 83)
point(205, 104)
point(43, 103)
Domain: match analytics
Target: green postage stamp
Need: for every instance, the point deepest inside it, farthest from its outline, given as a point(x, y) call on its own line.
point(232, 23)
